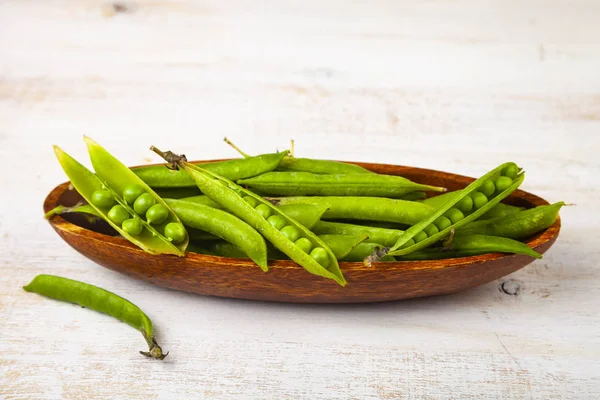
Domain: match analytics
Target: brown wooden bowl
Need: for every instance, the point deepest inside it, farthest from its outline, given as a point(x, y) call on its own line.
point(286, 281)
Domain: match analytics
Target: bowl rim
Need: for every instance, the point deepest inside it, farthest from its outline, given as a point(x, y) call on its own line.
point(61, 224)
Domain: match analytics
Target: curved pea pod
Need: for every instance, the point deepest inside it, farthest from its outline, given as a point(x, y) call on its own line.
point(99, 300)
point(225, 226)
point(498, 210)
point(254, 210)
point(342, 245)
point(383, 236)
point(516, 226)
point(364, 250)
point(79, 208)
point(365, 208)
point(472, 245)
point(86, 183)
point(404, 245)
point(307, 214)
point(162, 177)
point(309, 184)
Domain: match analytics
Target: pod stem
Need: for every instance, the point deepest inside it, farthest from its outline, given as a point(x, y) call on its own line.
point(377, 255)
point(154, 349)
point(292, 148)
point(229, 142)
point(170, 157)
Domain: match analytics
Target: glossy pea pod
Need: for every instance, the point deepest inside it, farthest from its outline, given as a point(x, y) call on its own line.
point(290, 163)
point(461, 209)
point(472, 245)
point(105, 200)
point(516, 226)
point(223, 225)
point(309, 184)
point(499, 210)
point(383, 236)
point(100, 300)
point(307, 214)
point(162, 177)
point(364, 208)
point(340, 245)
point(265, 218)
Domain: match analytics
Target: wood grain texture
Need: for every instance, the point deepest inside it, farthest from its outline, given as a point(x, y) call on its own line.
point(286, 281)
point(455, 86)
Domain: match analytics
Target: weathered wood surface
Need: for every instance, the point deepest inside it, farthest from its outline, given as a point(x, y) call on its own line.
point(458, 86)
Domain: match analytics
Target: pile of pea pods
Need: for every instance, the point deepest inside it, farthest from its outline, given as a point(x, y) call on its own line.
point(315, 212)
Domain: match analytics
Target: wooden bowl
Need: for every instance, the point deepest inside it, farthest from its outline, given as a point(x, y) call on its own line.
point(286, 281)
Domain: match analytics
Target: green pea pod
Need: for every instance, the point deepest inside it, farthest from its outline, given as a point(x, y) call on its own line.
point(364, 208)
point(498, 210)
point(162, 177)
point(290, 163)
point(383, 236)
point(342, 245)
point(225, 226)
point(472, 245)
point(516, 226)
point(309, 184)
point(236, 200)
point(307, 214)
point(86, 183)
point(403, 246)
point(100, 300)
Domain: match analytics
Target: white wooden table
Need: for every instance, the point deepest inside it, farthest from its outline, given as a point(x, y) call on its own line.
point(459, 86)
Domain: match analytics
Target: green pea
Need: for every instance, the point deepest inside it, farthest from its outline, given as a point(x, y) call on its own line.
point(321, 256)
point(304, 244)
point(250, 200)
point(157, 214)
point(277, 221)
point(420, 236)
point(103, 198)
point(488, 188)
point(511, 171)
point(175, 232)
point(465, 204)
point(431, 230)
point(291, 232)
point(503, 183)
point(118, 214)
point(442, 223)
point(143, 203)
point(133, 226)
point(479, 200)
point(455, 215)
point(132, 192)
point(264, 210)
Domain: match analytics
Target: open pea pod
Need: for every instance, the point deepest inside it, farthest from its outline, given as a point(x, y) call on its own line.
point(87, 183)
point(284, 232)
point(138, 199)
point(466, 206)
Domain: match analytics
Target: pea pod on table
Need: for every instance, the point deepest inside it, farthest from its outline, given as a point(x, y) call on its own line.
point(158, 176)
point(262, 216)
point(109, 203)
point(309, 184)
point(100, 300)
point(461, 209)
